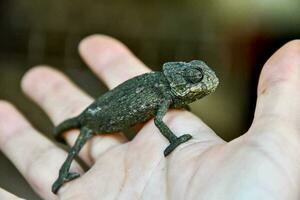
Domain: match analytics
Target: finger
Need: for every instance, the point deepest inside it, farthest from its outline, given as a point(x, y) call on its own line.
point(4, 195)
point(278, 102)
point(35, 157)
point(114, 64)
point(110, 59)
point(61, 99)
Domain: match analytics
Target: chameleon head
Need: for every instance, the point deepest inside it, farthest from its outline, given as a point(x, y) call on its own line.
point(190, 81)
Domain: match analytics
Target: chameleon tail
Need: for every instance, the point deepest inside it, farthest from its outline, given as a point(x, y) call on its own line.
point(64, 126)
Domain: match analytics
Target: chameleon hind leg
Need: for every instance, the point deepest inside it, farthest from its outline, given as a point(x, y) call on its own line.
point(64, 173)
point(164, 129)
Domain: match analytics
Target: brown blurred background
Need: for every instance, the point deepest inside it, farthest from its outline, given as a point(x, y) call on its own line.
point(234, 37)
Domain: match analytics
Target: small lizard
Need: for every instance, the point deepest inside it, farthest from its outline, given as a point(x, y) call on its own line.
point(138, 100)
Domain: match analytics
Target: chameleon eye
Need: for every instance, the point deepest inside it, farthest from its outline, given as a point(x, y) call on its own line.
point(194, 75)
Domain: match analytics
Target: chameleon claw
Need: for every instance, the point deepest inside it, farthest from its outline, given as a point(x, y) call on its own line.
point(176, 143)
point(63, 179)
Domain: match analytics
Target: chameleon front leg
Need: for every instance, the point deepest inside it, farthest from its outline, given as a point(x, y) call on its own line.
point(64, 174)
point(173, 139)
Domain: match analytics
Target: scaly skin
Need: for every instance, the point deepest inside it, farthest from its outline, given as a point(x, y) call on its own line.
point(138, 100)
point(263, 163)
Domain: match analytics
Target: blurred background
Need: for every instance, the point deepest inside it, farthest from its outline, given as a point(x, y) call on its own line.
point(233, 37)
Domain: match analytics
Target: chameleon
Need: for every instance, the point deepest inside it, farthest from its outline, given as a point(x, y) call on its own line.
point(137, 100)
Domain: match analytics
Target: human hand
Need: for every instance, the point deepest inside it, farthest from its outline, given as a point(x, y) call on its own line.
point(264, 163)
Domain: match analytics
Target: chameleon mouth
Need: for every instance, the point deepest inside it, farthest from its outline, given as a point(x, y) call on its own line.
point(213, 84)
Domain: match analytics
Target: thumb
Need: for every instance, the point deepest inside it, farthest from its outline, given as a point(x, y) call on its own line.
point(278, 95)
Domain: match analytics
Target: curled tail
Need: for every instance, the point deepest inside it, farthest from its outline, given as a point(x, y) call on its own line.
point(64, 126)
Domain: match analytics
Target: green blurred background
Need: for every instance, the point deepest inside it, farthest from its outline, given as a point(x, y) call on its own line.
point(234, 37)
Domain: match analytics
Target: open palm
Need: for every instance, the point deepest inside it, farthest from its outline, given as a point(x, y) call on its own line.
point(264, 163)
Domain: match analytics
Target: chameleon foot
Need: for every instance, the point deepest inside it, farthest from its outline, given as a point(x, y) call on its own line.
point(176, 143)
point(63, 179)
